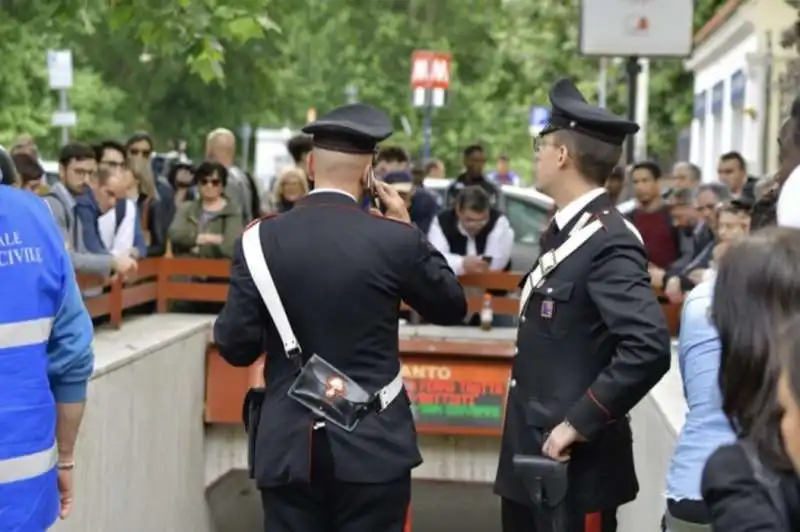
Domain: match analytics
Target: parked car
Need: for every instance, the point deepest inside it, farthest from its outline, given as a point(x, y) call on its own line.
point(527, 210)
point(50, 171)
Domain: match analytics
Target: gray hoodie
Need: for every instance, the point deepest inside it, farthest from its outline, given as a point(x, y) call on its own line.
point(62, 205)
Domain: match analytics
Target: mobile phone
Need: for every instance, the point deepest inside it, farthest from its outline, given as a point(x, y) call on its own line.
point(487, 259)
point(372, 192)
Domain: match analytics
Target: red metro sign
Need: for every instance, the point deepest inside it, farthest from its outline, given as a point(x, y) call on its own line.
point(430, 70)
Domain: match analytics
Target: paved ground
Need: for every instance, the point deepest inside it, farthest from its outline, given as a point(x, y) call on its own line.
point(436, 506)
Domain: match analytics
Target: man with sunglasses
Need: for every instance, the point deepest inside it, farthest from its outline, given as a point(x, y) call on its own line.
point(592, 339)
point(334, 275)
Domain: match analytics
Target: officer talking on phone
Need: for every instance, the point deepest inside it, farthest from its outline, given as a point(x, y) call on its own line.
point(319, 288)
point(592, 339)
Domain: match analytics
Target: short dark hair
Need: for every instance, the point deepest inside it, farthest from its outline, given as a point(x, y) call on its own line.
point(473, 148)
point(759, 278)
point(734, 156)
point(431, 164)
point(28, 168)
point(736, 206)
point(719, 190)
point(393, 154)
point(617, 174)
point(109, 144)
point(682, 196)
point(650, 166)
point(299, 146)
point(593, 158)
point(473, 198)
point(138, 137)
point(209, 168)
point(75, 151)
point(503, 157)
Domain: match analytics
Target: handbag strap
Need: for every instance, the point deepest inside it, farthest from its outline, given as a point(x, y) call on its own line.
point(257, 264)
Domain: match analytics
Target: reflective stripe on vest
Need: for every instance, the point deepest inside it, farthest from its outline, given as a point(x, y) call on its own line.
point(24, 333)
point(28, 466)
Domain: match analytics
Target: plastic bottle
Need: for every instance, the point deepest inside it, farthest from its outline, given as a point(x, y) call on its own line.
point(487, 314)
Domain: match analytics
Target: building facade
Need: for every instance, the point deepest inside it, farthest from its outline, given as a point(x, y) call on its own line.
point(737, 96)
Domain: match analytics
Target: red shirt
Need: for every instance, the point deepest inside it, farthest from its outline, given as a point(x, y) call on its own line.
point(658, 234)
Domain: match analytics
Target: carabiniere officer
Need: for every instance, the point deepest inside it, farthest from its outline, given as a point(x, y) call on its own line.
point(341, 274)
point(592, 339)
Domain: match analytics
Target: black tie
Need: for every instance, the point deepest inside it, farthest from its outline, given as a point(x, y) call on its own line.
point(550, 235)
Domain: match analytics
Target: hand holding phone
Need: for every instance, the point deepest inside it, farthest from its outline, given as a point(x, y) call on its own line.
point(394, 205)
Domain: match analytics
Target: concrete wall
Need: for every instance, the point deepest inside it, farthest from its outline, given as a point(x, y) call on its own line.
point(140, 454)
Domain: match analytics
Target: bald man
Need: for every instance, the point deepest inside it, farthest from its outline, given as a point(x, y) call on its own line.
point(221, 147)
point(334, 446)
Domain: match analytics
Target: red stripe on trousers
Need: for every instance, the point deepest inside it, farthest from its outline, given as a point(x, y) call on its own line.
point(593, 522)
point(407, 525)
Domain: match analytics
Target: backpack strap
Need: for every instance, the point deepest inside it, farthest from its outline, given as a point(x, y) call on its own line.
point(120, 210)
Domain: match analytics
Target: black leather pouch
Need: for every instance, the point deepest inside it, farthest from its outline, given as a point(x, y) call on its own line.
point(330, 394)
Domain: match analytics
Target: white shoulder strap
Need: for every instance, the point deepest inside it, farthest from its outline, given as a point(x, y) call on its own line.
point(257, 264)
point(550, 260)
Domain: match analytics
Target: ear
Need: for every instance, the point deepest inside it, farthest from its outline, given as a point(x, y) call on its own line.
point(563, 155)
point(310, 165)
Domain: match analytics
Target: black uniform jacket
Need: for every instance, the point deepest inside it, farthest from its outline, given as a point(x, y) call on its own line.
point(341, 274)
point(591, 343)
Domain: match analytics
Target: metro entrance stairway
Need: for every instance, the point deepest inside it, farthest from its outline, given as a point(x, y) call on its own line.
point(162, 432)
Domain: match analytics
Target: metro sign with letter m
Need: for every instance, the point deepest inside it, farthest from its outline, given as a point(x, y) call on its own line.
point(430, 70)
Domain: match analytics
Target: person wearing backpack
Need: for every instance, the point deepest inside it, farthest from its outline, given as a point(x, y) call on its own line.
point(750, 485)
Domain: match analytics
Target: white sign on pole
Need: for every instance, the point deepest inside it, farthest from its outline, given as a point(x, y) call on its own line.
point(538, 120)
point(59, 69)
point(644, 28)
point(64, 119)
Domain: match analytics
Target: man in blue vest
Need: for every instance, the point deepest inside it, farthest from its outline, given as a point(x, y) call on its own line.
point(46, 360)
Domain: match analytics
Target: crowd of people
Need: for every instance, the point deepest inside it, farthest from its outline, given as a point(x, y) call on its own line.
point(714, 247)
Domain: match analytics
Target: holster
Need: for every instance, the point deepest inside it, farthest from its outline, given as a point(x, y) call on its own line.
point(251, 417)
point(546, 482)
point(331, 394)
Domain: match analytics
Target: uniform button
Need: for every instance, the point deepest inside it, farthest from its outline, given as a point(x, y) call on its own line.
point(512, 383)
point(522, 319)
point(516, 350)
point(549, 290)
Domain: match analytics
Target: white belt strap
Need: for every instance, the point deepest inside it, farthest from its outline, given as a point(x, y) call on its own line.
point(389, 393)
point(257, 264)
point(550, 260)
point(28, 466)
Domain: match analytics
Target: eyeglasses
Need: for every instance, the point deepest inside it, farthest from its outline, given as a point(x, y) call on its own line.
point(113, 164)
point(212, 182)
point(140, 153)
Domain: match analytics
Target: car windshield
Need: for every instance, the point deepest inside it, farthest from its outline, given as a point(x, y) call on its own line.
point(526, 218)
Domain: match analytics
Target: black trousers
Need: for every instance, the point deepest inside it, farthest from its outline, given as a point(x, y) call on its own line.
point(329, 505)
point(518, 517)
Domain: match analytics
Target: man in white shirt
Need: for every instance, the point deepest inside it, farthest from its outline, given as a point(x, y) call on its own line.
point(117, 226)
point(473, 236)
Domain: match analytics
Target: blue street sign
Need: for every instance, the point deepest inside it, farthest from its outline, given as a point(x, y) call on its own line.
point(538, 119)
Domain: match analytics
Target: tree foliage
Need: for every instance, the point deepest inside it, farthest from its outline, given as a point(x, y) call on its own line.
point(183, 67)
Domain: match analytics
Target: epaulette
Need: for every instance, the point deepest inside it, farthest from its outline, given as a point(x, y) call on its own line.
point(382, 217)
point(261, 218)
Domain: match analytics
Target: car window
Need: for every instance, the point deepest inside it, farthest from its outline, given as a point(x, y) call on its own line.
point(526, 219)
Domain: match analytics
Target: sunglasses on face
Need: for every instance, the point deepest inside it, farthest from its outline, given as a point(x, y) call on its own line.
point(140, 153)
point(213, 182)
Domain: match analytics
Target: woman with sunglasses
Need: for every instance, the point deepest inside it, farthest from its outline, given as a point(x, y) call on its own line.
point(208, 226)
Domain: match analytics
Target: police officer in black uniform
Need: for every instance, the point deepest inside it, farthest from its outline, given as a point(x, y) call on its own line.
point(592, 340)
point(341, 273)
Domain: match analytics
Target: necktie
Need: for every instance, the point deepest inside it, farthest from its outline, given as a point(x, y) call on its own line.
point(550, 235)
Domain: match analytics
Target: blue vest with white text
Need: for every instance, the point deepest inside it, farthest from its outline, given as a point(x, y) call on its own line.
point(32, 285)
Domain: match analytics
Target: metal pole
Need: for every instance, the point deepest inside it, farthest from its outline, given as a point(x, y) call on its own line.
point(602, 83)
point(426, 150)
point(632, 71)
point(63, 106)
